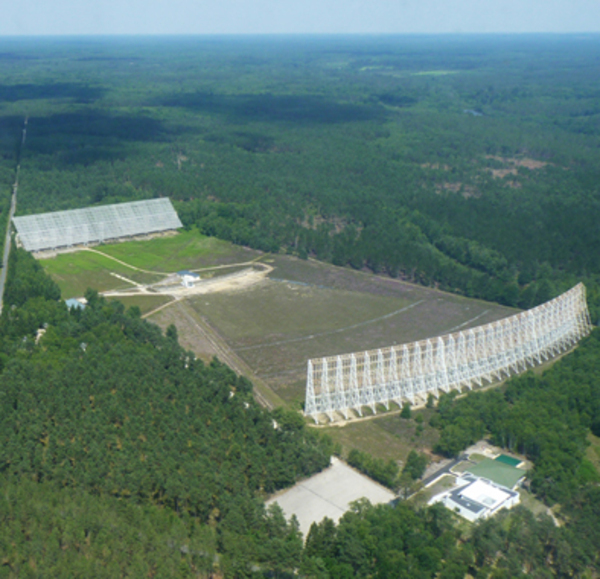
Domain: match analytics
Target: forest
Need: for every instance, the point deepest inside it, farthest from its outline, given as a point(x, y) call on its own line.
point(120, 453)
point(468, 164)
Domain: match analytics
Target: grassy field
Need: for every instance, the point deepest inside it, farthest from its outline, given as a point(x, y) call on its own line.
point(186, 250)
point(593, 451)
point(76, 271)
point(388, 437)
point(309, 309)
point(303, 309)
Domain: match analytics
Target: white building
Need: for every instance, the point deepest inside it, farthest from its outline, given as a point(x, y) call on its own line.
point(188, 278)
point(475, 498)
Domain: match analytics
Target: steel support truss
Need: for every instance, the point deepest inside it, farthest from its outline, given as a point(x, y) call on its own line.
point(342, 385)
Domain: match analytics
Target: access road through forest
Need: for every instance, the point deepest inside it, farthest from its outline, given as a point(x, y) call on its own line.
point(11, 214)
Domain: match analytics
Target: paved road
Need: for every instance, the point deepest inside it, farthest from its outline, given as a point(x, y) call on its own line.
point(444, 470)
point(13, 207)
point(433, 477)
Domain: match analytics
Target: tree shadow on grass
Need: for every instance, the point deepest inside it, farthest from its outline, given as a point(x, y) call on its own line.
point(80, 93)
point(304, 109)
point(88, 136)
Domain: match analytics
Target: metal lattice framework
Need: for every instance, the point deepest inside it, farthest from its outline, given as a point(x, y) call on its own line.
point(338, 384)
point(95, 224)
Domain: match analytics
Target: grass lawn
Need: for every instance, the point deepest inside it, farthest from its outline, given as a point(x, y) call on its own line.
point(76, 271)
point(593, 451)
point(423, 496)
point(386, 437)
point(185, 250)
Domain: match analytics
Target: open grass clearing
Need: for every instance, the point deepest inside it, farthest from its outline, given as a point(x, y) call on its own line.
point(387, 437)
point(593, 451)
point(78, 270)
point(75, 272)
point(185, 250)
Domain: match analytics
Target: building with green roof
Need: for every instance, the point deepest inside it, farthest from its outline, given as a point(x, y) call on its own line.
point(498, 472)
point(511, 461)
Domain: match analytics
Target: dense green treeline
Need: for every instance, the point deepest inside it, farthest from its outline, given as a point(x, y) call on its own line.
point(50, 532)
point(383, 472)
point(105, 403)
point(545, 417)
point(10, 148)
point(466, 163)
point(386, 542)
point(388, 472)
point(469, 164)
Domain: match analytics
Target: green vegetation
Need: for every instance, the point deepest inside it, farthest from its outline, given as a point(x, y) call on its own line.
point(545, 417)
point(383, 472)
point(186, 250)
point(75, 272)
point(50, 532)
point(105, 403)
point(401, 542)
point(415, 466)
point(471, 166)
point(465, 164)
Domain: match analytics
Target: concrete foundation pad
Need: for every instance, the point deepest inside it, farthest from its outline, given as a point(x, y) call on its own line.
point(329, 494)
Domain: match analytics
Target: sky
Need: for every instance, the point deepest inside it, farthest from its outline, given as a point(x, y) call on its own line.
point(87, 17)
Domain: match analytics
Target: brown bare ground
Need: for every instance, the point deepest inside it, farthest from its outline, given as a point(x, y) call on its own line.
point(501, 173)
point(435, 166)
point(467, 191)
point(526, 162)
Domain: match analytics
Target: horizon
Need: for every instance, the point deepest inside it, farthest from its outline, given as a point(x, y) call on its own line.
point(282, 17)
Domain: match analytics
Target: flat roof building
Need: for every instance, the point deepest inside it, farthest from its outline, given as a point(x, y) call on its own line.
point(475, 498)
point(498, 472)
point(73, 303)
point(188, 278)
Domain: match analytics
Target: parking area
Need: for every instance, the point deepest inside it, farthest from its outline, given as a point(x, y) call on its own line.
point(329, 494)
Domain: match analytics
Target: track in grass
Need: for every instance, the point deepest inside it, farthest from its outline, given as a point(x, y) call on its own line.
point(78, 270)
point(304, 309)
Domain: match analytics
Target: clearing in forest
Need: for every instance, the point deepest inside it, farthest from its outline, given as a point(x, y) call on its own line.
point(265, 315)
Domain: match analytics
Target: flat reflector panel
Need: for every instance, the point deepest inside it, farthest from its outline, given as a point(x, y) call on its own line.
point(95, 224)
